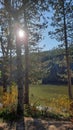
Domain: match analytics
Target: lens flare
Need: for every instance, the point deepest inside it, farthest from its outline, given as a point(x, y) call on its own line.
point(21, 34)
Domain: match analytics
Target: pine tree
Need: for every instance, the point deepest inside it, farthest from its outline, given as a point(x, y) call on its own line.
point(16, 10)
point(61, 21)
point(4, 38)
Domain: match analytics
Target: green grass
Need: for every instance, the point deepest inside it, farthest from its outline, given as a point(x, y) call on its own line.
point(55, 97)
point(39, 93)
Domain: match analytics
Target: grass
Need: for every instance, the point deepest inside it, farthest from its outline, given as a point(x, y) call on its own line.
point(46, 92)
point(39, 93)
point(54, 97)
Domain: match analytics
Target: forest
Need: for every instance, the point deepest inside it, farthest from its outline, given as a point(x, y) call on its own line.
point(23, 64)
point(43, 64)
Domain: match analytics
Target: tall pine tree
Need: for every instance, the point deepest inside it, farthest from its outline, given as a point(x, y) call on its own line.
point(62, 23)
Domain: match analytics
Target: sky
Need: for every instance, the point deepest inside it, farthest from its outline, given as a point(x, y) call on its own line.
point(48, 44)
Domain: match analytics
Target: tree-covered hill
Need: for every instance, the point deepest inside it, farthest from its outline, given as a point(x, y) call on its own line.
point(48, 67)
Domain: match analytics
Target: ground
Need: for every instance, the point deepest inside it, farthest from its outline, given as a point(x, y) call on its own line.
point(39, 124)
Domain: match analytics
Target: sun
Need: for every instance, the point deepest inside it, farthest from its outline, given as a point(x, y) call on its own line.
point(21, 33)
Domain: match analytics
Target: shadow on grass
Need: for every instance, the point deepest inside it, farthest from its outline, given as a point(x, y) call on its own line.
point(11, 125)
point(1, 128)
point(7, 125)
point(36, 124)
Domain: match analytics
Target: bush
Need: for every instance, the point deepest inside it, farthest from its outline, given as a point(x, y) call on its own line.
point(8, 115)
point(10, 98)
point(9, 102)
point(31, 111)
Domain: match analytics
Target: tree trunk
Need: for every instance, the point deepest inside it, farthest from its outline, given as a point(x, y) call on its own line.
point(26, 91)
point(10, 47)
point(10, 65)
point(20, 124)
point(4, 74)
point(20, 83)
point(67, 56)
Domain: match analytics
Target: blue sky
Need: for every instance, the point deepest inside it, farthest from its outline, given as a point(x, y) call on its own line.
point(47, 43)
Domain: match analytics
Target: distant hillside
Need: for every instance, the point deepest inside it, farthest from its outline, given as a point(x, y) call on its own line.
point(57, 69)
point(50, 66)
point(47, 67)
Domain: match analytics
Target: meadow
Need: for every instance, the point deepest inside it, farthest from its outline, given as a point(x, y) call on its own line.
point(55, 97)
point(52, 98)
point(47, 92)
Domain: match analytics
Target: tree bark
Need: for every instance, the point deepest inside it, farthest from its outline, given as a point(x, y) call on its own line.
point(26, 91)
point(5, 73)
point(20, 83)
point(67, 55)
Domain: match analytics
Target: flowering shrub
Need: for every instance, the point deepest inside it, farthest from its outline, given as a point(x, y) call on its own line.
point(9, 103)
point(58, 106)
point(10, 98)
point(71, 107)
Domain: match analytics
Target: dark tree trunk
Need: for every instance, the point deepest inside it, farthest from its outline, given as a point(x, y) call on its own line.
point(4, 74)
point(20, 83)
point(20, 124)
point(67, 55)
point(10, 68)
point(10, 47)
point(26, 91)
